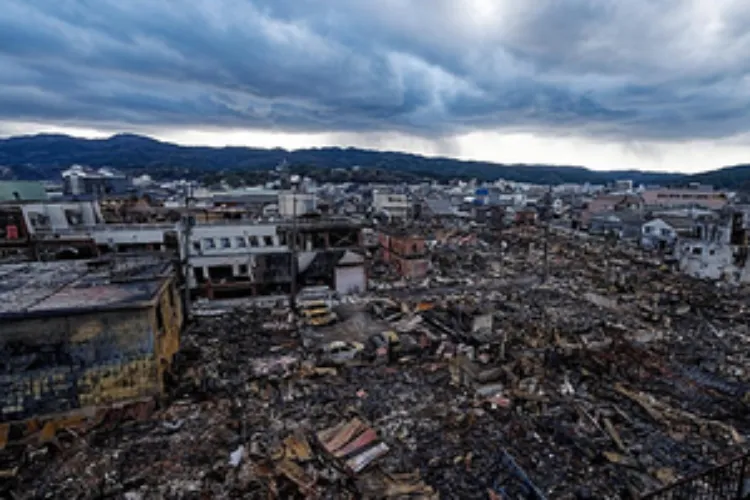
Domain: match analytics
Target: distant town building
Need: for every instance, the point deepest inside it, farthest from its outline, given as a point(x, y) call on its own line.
point(79, 180)
point(699, 196)
point(623, 186)
point(395, 206)
point(297, 204)
point(608, 203)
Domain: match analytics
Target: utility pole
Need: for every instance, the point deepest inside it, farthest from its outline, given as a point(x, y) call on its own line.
point(293, 285)
point(188, 222)
point(546, 216)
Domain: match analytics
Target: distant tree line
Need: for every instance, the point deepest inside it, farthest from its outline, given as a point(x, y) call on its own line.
point(46, 156)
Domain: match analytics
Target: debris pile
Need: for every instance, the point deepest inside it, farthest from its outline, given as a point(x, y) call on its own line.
point(611, 378)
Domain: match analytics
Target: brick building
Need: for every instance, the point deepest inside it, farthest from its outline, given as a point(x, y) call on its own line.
point(406, 252)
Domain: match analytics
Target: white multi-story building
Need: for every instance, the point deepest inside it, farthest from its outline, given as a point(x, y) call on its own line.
point(258, 256)
point(61, 216)
point(232, 252)
point(79, 180)
point(297, 204)
point(396, 206)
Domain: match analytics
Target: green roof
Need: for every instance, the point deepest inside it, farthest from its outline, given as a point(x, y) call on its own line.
point(22, 191)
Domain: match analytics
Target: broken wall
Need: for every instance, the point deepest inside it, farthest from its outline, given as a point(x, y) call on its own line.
point(407, 246)
point(411, 268)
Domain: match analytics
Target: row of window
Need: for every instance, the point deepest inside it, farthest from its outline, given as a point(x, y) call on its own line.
point(699, 251)
point(691, 196)
point(226, 242)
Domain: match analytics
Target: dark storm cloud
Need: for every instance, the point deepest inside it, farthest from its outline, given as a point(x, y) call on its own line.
point(664, 68)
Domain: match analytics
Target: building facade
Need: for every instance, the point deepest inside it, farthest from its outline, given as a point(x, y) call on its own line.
point(79, 180)
point(83, 334)
point(297, 204)
point(713, 200)
point(395, 205)
point(405, 252)
point(246, 258)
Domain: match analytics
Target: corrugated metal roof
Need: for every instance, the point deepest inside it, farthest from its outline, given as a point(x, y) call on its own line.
point(22, 191)
point(440, 206)
point(34, 287)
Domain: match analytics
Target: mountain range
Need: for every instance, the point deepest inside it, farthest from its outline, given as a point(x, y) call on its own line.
point(45, 156)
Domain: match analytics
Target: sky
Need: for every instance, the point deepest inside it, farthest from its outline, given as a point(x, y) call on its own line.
point(607, 84)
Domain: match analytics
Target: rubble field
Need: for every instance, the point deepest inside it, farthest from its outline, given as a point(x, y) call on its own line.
point(612, 377)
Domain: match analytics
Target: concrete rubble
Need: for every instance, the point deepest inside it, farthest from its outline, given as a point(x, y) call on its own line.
point(611, 378)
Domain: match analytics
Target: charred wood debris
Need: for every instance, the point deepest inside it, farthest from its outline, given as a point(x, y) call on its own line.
point(611, 378)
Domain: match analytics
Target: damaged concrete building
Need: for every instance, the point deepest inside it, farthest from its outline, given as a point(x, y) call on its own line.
point(80, 335)
point(245, 258)
point(717, 249)
point(49, 230)
point(405, 251)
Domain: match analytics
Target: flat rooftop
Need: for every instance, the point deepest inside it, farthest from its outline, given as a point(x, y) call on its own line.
point(63, 287)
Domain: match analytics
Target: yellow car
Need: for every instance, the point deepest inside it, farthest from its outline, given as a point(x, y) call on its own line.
point(317, 313)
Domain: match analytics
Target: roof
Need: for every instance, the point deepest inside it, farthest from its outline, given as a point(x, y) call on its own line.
point(679, 223)
point(622, 216)
point(351, 259)
point(83, 171)
point(440, 206)
point(68, 287)
point(22, 191)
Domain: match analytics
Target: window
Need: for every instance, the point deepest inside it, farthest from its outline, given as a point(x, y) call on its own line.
point(197, 246)
point(242, 269)
point(39, 221)
point(159, 318)
point(268, 241)
point(697, 251)
point(74, 217)
point(253, 241)
point(200, 276)
point(647, 229)
point(209, 243)
point(241, 241)
point(664, 231)
point(226, 243)
point(711, 252)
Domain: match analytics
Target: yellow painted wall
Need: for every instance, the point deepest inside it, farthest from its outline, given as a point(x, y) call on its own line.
point(96, 359)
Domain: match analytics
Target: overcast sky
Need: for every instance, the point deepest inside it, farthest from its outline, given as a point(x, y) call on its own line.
point(609, 84)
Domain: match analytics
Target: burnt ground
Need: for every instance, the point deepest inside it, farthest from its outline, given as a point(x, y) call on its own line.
point(614, 377)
